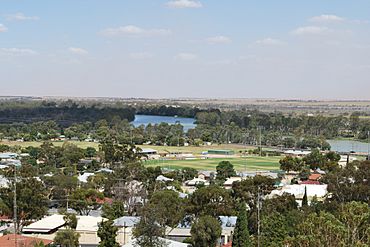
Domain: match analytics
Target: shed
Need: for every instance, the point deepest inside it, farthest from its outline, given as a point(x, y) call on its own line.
point(221, 152)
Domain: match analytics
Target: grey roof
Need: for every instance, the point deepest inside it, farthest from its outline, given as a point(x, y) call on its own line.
point(228, 221)
point(8, 155)
point(126, 221)
point(148, 150)
point(167, 242)
point(105, 170)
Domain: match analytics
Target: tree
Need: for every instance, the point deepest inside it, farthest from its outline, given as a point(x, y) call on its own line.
point(168, 208)
point(305, 200)
point(350, 183)
point(241, 234)
point(85, 200)
point(247, 189)
point(71, 220)
point(225, 170)
point(189, 173)
point(60, 186)
point(107, 233)
point(291, 164)
point(320, 230)
point(90, 152)
point(206, 231)
point(67, 238)
point(31, 199)
point(315, 159)
point(356, 217)
point(211, 200)
point(147, 231)
point(113, 211)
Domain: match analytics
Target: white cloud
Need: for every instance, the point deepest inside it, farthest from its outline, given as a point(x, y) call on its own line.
point(182, 4)
point(310, 30)
point(18, 51)
point(141, 55)
point(78, 51)
point(132, 30)
point(219, 40)
point(3, 28)
point(21, 17)
point(269, 41)
point(186, 56)
point(327, 18)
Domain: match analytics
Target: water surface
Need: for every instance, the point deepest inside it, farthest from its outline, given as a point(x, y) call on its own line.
point(188, 123)
point(348, 146)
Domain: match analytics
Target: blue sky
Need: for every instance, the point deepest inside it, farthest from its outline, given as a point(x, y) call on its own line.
point(313, 49)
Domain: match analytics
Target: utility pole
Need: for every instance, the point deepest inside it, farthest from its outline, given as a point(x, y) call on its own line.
point(368, 145)
point(67, 202)
point(245, 163)
point(258, 217)
point(15, 206)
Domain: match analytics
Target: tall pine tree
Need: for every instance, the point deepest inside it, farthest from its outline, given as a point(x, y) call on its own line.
point(305, 200)
point(241, 236)
point(107, 233)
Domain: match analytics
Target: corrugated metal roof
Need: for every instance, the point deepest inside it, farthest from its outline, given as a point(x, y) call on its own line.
point(46, 224)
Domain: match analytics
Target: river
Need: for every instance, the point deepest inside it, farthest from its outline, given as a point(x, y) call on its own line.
point(188, 123)
point(348, 145)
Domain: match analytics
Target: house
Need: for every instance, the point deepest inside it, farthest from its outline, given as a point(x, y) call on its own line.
point(313, 190)
point(7, 156)
point(4, 182)
point(182, 232)
point(12, 240)
point(310, 182)
point(167, 242)
point(228, 184)
point(206, 175)
point(84, 177)
point(220, 152)
point(105, 170)
point(297, 153)
point(344, 159)
point(164, 179)
point(197, 181)
point(150, 153)
point(46, 226)
point(314, 177)
point(125, 225)
point(87, 227)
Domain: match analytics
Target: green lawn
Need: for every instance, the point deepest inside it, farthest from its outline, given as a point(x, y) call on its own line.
point(250, 164)
point(191, 149)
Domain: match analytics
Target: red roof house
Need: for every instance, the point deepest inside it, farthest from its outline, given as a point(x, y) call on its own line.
point(21, 241)
point(314, 177)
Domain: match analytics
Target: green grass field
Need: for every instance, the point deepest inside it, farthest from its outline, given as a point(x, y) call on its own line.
point(191, 149)
point(250, 164)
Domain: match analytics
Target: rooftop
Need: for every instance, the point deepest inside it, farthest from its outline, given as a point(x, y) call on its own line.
point(9, 241)
point(46, 225)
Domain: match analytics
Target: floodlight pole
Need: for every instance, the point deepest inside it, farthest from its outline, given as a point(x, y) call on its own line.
point(15, 205)
point(258, 218)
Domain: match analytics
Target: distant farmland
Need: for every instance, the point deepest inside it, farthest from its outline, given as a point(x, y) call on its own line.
point(252, 163)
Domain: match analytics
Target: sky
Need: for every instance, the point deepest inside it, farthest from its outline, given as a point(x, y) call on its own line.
point(286, 49)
